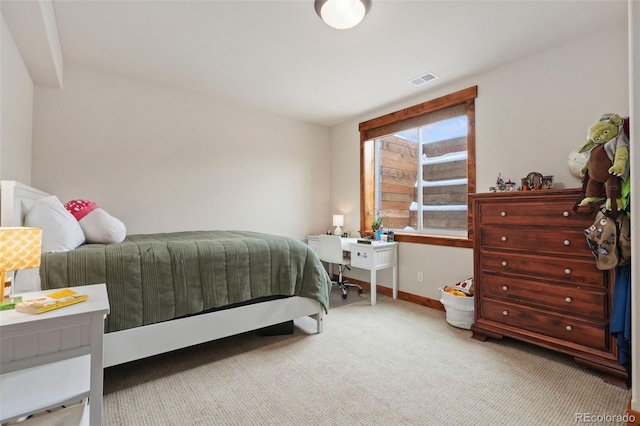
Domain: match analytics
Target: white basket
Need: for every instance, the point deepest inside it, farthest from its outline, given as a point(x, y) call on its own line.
point(459, 309)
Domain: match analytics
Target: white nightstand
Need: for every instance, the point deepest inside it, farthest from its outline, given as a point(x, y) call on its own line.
point(52, 358)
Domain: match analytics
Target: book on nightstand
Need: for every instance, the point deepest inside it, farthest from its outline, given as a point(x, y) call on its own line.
point(9, 303)
point(51, 301)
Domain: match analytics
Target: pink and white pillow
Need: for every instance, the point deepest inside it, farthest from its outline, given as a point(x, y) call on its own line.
point(98, 225)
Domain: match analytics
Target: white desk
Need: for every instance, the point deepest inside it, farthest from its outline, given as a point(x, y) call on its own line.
point(54, 357)
point(372, 257)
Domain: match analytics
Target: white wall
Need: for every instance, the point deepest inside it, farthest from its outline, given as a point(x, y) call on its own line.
point(529, 115)
point(162, 159)
point(16, 106)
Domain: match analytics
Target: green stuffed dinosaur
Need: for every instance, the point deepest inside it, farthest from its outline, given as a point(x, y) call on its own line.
point(608, 161)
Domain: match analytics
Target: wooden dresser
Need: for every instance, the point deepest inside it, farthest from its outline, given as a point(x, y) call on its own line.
point(536, 280)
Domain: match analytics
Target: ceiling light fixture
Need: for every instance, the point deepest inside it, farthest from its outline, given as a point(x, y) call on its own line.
point(342, 14)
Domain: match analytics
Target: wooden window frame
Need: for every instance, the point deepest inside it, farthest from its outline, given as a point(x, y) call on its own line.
point(367, 165)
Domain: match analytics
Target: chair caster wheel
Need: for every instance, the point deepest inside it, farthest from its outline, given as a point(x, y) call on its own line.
point(359, 291)
point(344, 296)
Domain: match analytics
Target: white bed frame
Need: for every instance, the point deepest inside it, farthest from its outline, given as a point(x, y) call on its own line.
point(141, 342)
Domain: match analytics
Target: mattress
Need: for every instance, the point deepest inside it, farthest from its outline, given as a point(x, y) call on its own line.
point(152, 278)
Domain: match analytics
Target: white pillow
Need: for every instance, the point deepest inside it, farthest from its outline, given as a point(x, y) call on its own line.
point(60, 230)
point(99, 227)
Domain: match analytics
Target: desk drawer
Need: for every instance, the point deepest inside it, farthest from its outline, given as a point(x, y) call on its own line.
point(369, 257)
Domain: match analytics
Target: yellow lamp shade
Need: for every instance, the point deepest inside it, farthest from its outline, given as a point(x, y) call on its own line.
point(20, 248)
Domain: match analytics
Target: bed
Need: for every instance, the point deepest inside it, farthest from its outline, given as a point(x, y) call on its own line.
point(173, 290)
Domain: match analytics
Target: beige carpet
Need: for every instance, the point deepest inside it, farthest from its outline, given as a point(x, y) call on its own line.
point(395, 363)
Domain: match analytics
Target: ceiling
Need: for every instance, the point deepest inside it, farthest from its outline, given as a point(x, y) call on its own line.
point(279, 56)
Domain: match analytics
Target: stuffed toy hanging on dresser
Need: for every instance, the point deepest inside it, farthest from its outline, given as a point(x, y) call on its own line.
point(608, 163)
point(604, 175)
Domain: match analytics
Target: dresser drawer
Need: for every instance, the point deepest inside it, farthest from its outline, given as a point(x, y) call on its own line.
point(576, 271)
point(563, 241)
point(531, 213)
point(575, 301)
point(562, 327)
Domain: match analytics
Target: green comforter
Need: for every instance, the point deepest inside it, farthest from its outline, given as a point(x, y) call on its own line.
point(158, 277)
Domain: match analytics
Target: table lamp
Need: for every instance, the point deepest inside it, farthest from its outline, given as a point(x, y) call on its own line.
point(20, 248)
point(338, 221)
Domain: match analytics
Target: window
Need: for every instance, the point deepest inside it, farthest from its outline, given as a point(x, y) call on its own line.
point(417, 168)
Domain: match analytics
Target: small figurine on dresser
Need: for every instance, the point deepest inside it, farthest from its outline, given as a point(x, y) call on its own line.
point(502, 186)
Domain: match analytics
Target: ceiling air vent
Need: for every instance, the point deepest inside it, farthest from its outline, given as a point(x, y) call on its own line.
point(424, 78)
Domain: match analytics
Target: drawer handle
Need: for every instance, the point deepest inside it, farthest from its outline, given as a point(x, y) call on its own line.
point(568, 300)
point(568, 328)
point(565, 214)
point(504, 263)
point(503, 214)
point(567, 242)
point(567, 271)
point(505, 288)
point(505, 313)
point(504, 238)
